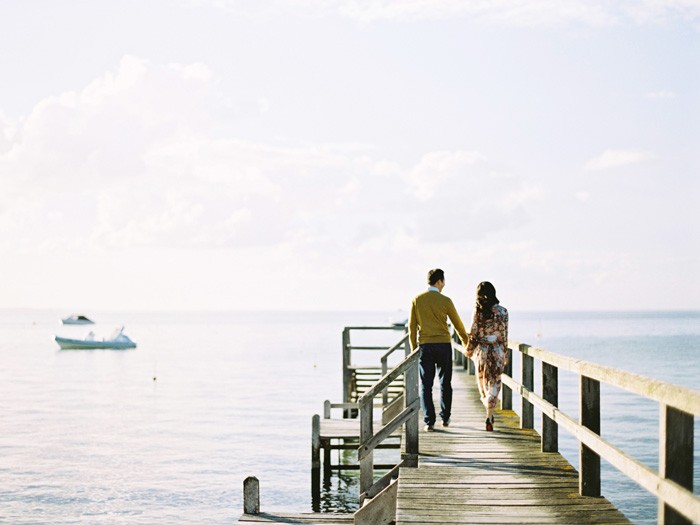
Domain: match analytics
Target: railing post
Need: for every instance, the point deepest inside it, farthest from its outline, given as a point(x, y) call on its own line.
point(385, 393)
point(251, 495)
point(675, 457)
point(506, 392)
point(366, 433)
point(410, 378)
point(589, 461)
point(527, 420)
point(550, 393)
point(346, 370)
point(315, 462)
point(457, 356)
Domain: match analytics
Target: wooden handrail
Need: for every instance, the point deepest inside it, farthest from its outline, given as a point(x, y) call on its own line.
point(672, 484)
point(395, 372)
point(674, 494)
point(408, 417)
point(682, 398)
point(387, 430)
point(392, 349)
point(349, 390)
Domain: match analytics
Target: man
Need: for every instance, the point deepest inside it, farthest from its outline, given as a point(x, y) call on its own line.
point(428, 330)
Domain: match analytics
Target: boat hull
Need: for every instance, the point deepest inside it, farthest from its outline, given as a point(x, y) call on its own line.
point(80, 344)
point(77, 319)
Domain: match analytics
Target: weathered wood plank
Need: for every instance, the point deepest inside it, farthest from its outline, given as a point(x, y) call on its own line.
point(469, 476)
point(297, 518)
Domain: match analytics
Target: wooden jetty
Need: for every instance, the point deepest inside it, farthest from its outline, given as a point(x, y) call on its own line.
point(462, 474)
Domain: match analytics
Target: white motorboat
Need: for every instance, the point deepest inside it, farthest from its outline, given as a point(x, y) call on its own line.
point(77, 319)
point(117, 341)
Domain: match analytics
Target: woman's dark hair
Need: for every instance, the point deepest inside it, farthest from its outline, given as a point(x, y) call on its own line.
point(485, 299)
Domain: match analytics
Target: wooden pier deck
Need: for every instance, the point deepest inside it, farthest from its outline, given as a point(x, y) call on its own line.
point(466, 475)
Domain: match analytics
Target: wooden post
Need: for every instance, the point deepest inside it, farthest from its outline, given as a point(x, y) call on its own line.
point(347, 376)
point(550, 392)
point(675, 458)
point(385, 393)
point(316, 462)
point(251, 495)
point(411, 394)
point(366, 433)
point(589, 461)
point(527, 419)
point(507, 393)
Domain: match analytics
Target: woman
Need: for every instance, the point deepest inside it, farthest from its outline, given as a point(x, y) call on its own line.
point(488, 343)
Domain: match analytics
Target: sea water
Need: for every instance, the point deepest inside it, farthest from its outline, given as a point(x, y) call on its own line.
point(166, 433)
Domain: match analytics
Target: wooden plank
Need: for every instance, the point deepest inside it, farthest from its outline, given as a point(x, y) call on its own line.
point(297, 518)
point(380, 510)
point(669, 491)
point(469, 476)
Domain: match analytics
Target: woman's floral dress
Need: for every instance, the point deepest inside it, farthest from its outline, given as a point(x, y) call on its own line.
point(487, 346)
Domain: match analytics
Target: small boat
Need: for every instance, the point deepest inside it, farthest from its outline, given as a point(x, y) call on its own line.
point(117, 341)
point(77, 319)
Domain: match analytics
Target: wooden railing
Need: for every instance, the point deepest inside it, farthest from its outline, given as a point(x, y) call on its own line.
point(672, 484)
point(350, 371)
point(369, 439)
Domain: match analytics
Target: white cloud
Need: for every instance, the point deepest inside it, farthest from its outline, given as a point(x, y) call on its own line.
point(437, 168)
point(511, 12)
point(135, 159)
point(663, 94)
point(617, 158)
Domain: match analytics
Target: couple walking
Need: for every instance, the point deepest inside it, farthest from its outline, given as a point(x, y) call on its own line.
point(486, 342)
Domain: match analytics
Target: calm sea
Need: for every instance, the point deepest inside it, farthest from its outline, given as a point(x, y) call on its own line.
point(167, 432)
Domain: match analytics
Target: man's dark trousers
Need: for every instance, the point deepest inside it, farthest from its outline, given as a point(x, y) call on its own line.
point(432, 356)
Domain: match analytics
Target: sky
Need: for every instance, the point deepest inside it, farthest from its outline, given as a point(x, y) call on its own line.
point(324, 155)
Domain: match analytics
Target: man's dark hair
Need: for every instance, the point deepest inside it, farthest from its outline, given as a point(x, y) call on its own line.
point(435, 275)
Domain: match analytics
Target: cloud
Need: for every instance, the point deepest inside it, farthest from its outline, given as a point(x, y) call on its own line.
point(137, 159)
point(436, 168)
point(617, 158)
point(510, 12)
point(663, 94)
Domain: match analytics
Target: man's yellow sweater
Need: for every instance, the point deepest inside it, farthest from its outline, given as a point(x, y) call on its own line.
point(427, 322)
